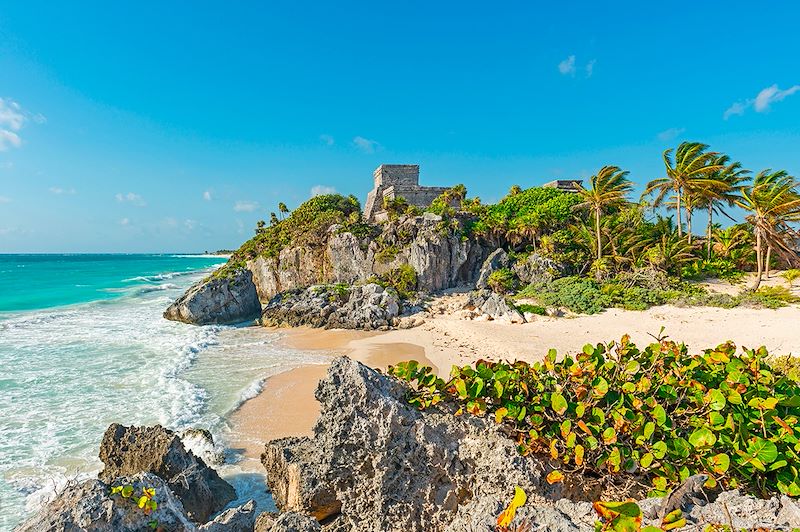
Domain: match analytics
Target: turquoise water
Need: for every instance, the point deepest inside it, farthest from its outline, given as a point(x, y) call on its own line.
point(83, 344)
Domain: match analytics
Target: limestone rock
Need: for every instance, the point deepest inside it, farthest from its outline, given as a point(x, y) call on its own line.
point(537, 269)
point(239, 519)
point(295, 522)
point(366, 307)
point(493, 306)
point(131, 450)
point(90, 507)
point(387, 466)
point(496, 260)
point(264, 522)
point(218, 300)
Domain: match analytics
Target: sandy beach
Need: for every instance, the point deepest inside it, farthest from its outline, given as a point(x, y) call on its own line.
point(286, 406)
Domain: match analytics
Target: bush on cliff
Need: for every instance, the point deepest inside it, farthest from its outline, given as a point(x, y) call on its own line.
point(308, 224)
point(658, 414)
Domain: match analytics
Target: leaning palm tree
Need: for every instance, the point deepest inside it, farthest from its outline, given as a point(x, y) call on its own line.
point(690, 163)
point(773, 203)
point(720, 189)
point(609, 188)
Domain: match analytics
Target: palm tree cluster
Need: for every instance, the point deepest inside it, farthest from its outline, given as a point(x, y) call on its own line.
point(695, 178)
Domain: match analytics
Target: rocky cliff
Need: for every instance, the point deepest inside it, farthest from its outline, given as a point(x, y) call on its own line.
point(437, 250)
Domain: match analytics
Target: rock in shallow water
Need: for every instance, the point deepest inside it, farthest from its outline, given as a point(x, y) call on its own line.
point(130, 450)
point(223, 300)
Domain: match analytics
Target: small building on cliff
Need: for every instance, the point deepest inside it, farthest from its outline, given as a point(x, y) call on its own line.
point(567, 185)
point(398, 181)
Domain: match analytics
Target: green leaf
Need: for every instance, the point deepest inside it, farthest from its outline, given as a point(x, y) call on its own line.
point(719, 463)
point(659, 415)
point(702, 438)
point(647, 460)
point(764, 450)
point(558, 403)
point(127, 491)
point(461, 388)
point(659, 449)
point(715, 399)
point(600, 387)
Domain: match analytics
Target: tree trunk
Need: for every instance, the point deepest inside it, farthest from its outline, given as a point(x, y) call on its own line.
point(759, 263)
point(678, 210)
point(597, 232)
point(766, 261)
point(708, 229)
point(689, 224)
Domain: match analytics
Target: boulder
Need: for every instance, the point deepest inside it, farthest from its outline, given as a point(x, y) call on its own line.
point(492, 306)
point(223, 299)
point(367, 307)
point(90, 506)
point(377, 464)
point(295, 522)
point(131, 450)
point(537, 269)
point(498, 259)
point(239, 519)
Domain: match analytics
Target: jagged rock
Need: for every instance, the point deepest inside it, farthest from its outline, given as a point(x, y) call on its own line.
point(201, 443)
point(496, 260)
point(493, 306)
point(264, 522)
point(130, 450)
point(239, 519)
point(537, 269)
point(366, 307)
point(387, 466)
point(90, 507)
point(224, 299)
point(295, 522)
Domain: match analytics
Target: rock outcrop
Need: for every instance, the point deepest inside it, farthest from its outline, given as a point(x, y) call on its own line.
point(89, 506)
point(377, 464)
point(537, 269)
point(496, 260)
point(485, 304)
point(130, 450)
point(223, 300)
point(367, 307)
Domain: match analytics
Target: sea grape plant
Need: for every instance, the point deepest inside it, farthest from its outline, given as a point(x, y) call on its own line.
point(145, 500)
point(658, 413)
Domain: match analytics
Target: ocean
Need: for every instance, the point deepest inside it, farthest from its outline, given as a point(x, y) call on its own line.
point(83, 344)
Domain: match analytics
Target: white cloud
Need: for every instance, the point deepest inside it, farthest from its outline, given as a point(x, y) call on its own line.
point(670, 134)
point(590, 68)
point(125, 221)
point(245, 206)
point(771, 95)
point(320, 190)
point(567, 66)
point(327, 139)
point(9, 139)
point(762, 102)
point(5, 199)
point(207, 195)
point(190, 224)
point(366, 145)
point(58, 191)
point(12, 118)
point(130, 197)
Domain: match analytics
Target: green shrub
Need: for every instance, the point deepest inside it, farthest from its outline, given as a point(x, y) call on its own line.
point(791, 276)
point(719, 268)
point(768, 297)
point(533, 309)
point(578, 294)
point(657, 414)
point(502, 281)
point(403, 279)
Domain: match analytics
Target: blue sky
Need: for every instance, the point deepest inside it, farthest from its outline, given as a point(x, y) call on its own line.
point(174, 126)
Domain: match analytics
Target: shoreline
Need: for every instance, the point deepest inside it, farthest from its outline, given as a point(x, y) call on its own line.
point(286, 405)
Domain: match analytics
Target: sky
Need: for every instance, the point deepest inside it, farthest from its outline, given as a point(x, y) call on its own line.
point(156, 126)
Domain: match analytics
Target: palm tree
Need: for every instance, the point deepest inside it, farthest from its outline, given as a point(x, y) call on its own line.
point(721, 188)
point(727, 240)
point(773, 203)
point(609, 188)
point(283, 209)
point(690, 164)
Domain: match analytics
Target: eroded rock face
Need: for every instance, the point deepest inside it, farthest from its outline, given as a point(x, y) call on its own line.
point(382, 465)
point(496, 260)
point(239, 519)
point(131, 450)
point(90, 507)
point(231, 299)
point(367, 307)
point(537, 269)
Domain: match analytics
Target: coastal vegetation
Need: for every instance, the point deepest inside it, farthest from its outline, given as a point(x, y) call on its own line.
point(620, 414)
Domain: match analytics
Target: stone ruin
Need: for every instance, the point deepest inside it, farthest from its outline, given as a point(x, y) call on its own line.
point(398, 181)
